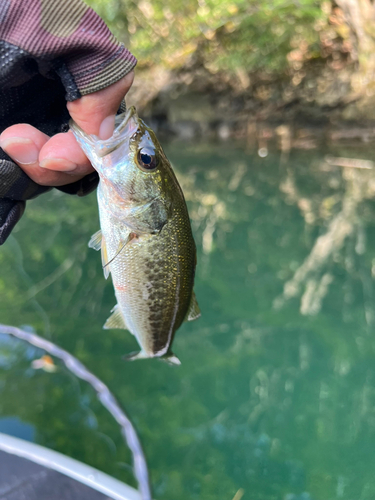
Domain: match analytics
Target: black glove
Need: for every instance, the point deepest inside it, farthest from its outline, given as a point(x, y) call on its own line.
point(31, 92)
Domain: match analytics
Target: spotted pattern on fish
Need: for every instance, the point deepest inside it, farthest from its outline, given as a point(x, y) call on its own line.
point(146, 232)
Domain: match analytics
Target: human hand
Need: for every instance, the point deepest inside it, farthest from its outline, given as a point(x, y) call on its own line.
point(59, 160)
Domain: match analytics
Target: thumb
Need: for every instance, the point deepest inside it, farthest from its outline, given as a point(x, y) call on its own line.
point(95, 112)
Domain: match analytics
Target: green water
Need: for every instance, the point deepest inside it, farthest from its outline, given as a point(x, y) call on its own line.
point(275, 398)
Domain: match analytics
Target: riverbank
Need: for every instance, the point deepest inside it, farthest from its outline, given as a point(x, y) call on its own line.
point(305, 108)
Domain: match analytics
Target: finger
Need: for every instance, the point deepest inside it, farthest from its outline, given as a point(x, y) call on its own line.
point(95, 113)
point(24, 143)
point(62, 153)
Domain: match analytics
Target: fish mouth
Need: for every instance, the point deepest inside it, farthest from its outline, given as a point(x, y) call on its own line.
point(126, 125)
point(122, 120)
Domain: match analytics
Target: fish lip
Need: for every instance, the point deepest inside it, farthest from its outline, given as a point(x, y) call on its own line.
point(122, 120)
point(103, 147)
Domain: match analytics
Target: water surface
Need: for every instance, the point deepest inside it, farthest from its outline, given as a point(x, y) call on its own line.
point(275, 398)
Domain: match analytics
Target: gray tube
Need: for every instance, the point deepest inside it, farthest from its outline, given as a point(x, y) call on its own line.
point(105, 396)
point(69, 467)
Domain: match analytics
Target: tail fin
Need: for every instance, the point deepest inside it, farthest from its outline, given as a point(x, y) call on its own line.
point(169, 357)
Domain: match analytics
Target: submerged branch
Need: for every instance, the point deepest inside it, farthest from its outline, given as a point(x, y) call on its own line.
point(105, 396)
point(349, 162)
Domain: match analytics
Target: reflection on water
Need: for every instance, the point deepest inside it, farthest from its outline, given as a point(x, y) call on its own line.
point(275, 396)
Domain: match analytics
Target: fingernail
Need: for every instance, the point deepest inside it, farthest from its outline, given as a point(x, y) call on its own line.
point(58, 164)
point(20, 149)
point(107, 127)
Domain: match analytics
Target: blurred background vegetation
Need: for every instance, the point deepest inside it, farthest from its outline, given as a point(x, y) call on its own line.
point(228, 35)
point(284, 59)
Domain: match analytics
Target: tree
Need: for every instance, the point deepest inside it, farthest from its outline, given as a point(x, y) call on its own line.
point(360, 18)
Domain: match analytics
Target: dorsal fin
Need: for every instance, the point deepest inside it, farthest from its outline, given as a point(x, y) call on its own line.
point(116, 320)
point(193, 312)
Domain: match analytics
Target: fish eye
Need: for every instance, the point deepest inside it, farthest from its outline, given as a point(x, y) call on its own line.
point(147, 159)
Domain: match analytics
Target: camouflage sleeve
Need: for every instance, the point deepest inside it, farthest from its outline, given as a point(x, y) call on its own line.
point(69, 34)
point(51, 51)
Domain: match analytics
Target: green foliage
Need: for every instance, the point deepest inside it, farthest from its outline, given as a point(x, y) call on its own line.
point(227, 35)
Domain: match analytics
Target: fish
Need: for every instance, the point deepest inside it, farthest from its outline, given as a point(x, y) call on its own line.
point(145, 235)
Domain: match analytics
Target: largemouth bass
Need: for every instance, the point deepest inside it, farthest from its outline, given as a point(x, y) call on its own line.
point(145, 239)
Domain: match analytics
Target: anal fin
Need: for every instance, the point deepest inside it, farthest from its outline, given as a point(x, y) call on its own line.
point(116, 320)
point(135, 355)
point(193, 312)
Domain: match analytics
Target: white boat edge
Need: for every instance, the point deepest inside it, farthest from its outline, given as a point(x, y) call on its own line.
point(83, 473)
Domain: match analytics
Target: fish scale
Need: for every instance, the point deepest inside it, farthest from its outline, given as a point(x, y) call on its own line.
point(146, 239)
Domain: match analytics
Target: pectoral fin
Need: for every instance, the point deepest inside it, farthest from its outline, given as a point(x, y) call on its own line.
point(193, 312)
point(116, 320)
point(96, 240)
point(105, 266)
point(120, 246)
